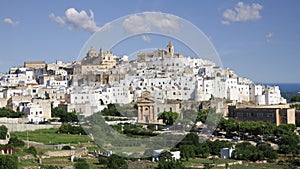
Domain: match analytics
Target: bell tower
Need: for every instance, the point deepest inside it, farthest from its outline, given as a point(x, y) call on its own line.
point(171, 49)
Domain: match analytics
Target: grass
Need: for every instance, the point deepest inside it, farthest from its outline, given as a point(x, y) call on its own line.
point(197, 161)
point(256, 166)
point(49, 136)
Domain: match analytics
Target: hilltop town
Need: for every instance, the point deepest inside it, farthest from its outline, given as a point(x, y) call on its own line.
point(150, 85)
point(102, 78)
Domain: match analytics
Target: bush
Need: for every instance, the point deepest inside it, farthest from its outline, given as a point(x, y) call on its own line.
point(64, 116)
point(295, 99)
point(69, 129)
point(5, 112)
point(103, 160)
point(8, 162)
point(50, 167)
point(31, 150)
point(111, 110)
point(116, 162)
point(81, 164)
point(15, 142)
point(3, 132)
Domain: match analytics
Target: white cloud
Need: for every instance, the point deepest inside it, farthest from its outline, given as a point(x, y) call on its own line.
point(148, 21)
point(77, 20)
point(57, 19)
point(10, 21)
point(242, 13)
point(146, 38)
point(269, 37)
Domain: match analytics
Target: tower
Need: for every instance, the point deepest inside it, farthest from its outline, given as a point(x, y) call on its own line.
point(101, 53)
point(171, 49)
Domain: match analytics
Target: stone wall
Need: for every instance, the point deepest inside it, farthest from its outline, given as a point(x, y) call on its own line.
point(29, 127)
point(66, 153)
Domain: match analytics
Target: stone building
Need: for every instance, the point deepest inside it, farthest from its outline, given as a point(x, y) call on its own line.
point(160, 53)
point(94, 61)
point(34, 65)
point(277, 114)
point(148, 109)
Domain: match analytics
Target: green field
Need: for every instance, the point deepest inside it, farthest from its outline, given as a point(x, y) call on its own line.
point(49, 136)
point(256, 166)
point(245, 165)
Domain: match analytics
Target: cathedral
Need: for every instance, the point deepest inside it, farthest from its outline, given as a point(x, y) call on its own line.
point(160, 53)
point(94, 61)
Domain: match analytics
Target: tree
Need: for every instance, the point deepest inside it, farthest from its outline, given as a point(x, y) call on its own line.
point(267, 151)
point(168, 117)
point(64, 116)
point(216, 146)
point(203, 150)
point(103, 160)
point(8, 162)
point(289, 144)
point(187, 151)
point(246, 151)
point(69, 129)
point(116, 162)
point(31, 150)
point(202, 115)
point(3, 132)
point(5, 112)
point(15, 142)
point(295, 99)
point(167, 162)
point(111, 110)
point(190, 139)
point(81, 164)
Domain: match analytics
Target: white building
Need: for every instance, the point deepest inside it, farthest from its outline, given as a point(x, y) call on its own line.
point(226, 152)
point(35, 113)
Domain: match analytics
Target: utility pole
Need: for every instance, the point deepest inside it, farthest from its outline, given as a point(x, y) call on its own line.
point(27, 139)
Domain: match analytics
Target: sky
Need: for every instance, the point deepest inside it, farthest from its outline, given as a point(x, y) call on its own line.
point(259, 40)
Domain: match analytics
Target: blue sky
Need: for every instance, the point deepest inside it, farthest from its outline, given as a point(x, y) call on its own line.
point(260, 40)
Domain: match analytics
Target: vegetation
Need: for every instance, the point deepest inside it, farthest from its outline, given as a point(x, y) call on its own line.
point(190, 147)
point(70, 129)
point(256, 128)
point(111, 110)
point(3, 132)
point(296, 106)
point(202, 115)
point(81, 164)
point(295, 99)
point(8, 162)
point(247, 151)
point(288, 144)
point(168, 117)
point(167, 162)
point(15, 142)
point(64, 116)
point(5, 112)
point(31, 150)
point(116, 162)
point(50, 136)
